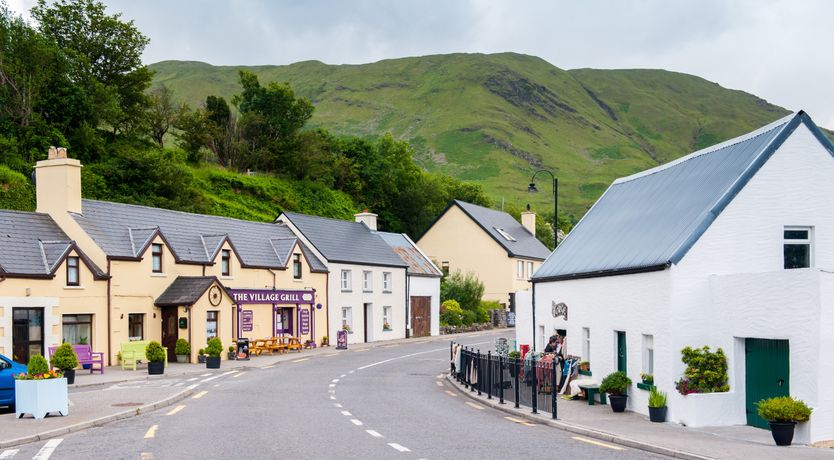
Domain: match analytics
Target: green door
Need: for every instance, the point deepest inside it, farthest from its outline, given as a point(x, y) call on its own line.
point(621, 352)
point(767, 374)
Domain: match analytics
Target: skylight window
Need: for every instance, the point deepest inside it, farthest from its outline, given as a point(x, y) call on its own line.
point(503, 233)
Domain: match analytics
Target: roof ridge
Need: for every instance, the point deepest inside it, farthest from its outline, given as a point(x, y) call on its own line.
point(322, 217)
point(211, 216)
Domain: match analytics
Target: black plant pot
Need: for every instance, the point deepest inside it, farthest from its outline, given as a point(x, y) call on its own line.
point(658, 414)
point(201, 359)
point(782, 432)
point(156, 368)
point(232, 355)
point(212, 362)
point(69, 374)
point(618, 402)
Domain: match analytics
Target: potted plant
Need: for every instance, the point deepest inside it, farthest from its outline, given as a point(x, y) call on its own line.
point(783, 413)
point(584, 366)
point(65, 360)
point(648, 379)
point(232, 353)
point(156, 358)
point(183, 350)
point(514, 358)
point(325, 341)
point(346, 328)
point(40, 391)
point(213, 350)
point(657, 405)
point(616, 384)
point(201, 356)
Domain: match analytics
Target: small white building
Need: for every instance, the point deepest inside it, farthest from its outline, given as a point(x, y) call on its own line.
point(423, 285)
point(732, 247)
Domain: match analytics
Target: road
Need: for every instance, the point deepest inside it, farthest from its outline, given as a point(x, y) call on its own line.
point(385, 402)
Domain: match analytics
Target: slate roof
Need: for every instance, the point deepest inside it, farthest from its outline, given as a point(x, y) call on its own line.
point(185, 291)
point(526, 245)
point(649, 220)
point(344, 241)
point(418, 263)
point(124, 231)
point(32, 245)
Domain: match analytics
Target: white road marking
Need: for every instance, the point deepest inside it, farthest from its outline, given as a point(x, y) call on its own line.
point(351, 372)
point(597, 443)
point(192, 379)
point(238, 374)
point(335, 380)
point(217, 376)
point(346, 413)
point(399, 447)
point(343, 376)
point(176, 409)
point(151, 433)
point(193, 386)
point(519, 421)
point(405, 356)
point(300, 360)
point(332, 385)
point(439, 376)
point(332, 397)
point(440, 384)
point(9, 453)
point(206, 375)
point(373, 433)
point(476, 406)
point(337, 405)
point(146, 456)
point(199, 395)
point(270, 366)
point(47, 449)
point(451, 394)
point(216, 385)
point(355, 422)
point(178, 384)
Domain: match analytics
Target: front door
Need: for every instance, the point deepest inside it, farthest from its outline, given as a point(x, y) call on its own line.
point(283, 321)
point(27, 333)
point(420, 316)
point(170, 333)
point(622, 364)
point(767, 374)
point(367, 319)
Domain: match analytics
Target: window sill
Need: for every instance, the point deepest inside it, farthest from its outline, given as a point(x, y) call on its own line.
point(159, 275)
point(347, 290)
point(365, 291)
point(387, 330)
point(387, 292)
point(588, 373)
point(297, 280)
point(645, 386)
point(73, 288)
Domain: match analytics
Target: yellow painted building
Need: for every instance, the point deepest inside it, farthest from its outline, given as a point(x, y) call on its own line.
point(502, 252)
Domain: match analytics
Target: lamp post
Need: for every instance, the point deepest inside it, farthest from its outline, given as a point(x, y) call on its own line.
point(532, 189)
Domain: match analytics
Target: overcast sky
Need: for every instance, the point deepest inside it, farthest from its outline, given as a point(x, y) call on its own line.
point(777, 49)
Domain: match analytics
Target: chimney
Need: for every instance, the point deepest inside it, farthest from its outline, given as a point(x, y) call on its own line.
point(58, 183)
point(366, 217)
point(528, 220)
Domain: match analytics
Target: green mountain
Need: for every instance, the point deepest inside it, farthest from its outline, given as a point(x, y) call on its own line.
point(494, 119)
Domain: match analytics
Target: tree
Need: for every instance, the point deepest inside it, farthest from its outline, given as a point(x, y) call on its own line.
point(162, 113)
point(467, 289)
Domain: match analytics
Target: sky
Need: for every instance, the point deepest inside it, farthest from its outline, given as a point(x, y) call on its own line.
point(775, 49)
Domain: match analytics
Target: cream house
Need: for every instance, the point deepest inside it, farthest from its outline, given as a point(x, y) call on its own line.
point(502, 252)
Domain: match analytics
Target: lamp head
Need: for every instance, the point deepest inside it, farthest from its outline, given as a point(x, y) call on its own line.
point(532, 188)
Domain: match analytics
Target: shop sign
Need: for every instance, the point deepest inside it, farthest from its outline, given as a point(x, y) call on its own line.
point(246, 320)
point(341, 340)
point(304, 322)
point(267, 296)
point(560, 309)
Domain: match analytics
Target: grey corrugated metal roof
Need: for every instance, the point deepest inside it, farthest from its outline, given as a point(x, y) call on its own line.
point(185, 291)
point(418, 264)
point(194, 238)
point(490, 220)
point(345, 241)
point(650, 220)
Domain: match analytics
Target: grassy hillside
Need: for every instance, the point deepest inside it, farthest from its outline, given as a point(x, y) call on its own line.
point(494, 119)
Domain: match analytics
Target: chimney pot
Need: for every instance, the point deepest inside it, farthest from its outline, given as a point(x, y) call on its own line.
point(53, 153)
point(62, 152)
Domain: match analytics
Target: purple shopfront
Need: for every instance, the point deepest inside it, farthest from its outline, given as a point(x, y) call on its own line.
point(293, 311)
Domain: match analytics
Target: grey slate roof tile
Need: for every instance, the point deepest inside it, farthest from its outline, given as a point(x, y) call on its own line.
point(650, 220)
point(418, 264)
point(30, 243)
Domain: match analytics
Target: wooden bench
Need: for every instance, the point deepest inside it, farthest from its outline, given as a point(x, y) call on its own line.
point(276, 344)
point(291, 343)
point(86, 356)
point(134, 352)
point(591, 391)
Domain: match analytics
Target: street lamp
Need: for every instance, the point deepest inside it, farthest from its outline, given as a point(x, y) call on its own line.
point(532, 189)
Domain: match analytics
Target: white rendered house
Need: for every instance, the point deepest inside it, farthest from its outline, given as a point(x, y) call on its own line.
point(732, 247)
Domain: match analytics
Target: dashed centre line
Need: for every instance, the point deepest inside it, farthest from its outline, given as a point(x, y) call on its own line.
point(356, 422)
point(238, 374)
point(440, 384)
point(597, 443)
point(519, 421)
point(346, 413)
point(300, 360)
point(199, 395)
point(151, 433)
point(335, 380)
point(451, 394)
point(399, 447)
point(146, 456)
point(373, 433)
point(176, 409)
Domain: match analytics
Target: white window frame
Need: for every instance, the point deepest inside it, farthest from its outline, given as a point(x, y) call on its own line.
point(386, 282)
point(648, 354)
point(347, 318)
point(347, 284)
point(809, 241)
point(519, 269)
point(367, 281)
point(586, 344)
point(529, 270)
point(387, 312)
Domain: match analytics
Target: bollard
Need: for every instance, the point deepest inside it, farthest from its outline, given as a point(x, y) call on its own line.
point(500, 379)
point(533, 388)
point(553, 387)
point(489, 374)
point(516, 362)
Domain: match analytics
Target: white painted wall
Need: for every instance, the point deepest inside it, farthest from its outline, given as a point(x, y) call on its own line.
point(51, 320)
point(428, 287)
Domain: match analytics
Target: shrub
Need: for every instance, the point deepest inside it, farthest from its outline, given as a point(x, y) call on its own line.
point(488, 305)
point(657, 398)
point(154, 352)
point(201, 351)
point(706, 371)
point(515, 354)
point(214, 348)
point(450, 313)
point(231, 348)
point(783, 409)
point(615, 383)
point(469, 317)
point(466, 289)
point(182, 347)
point(37, 366)
point(64, 358)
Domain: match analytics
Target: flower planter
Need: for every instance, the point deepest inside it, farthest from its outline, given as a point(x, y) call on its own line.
point(40, 397)
point(618, 402)
point(156, 368)
point(182, 359)
point(782, 432)
point(658, 414)
point(69, 374)
point(212, 363)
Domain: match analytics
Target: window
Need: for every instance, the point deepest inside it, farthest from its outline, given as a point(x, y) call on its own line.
point(212, 317)
point(77, 329)
point(367, 281)
point(225, 262)
point(72, 271)
point(797, 249)
point(346, 282)
point(386, 281)
point(347, 319)
point(504, 233)
point(586, 344)
point(136, 326)
point(529, 270)
point(386, 318)
point(444, 266)
point(519, 271)
point(156, 257)
point(296, 266)
point(648, 354)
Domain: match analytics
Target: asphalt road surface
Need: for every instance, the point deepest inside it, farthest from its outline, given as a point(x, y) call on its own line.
point(384, 402)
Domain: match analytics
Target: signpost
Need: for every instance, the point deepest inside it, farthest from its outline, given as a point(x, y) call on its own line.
point(341, 340)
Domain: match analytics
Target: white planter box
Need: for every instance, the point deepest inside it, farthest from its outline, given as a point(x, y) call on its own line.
point(40, 397)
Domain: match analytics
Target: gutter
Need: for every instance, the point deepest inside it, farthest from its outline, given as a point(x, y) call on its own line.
point(601, 273)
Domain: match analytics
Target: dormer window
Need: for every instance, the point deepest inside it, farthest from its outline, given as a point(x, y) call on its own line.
point(156, 258)
point(503, 233)
point(73, 271)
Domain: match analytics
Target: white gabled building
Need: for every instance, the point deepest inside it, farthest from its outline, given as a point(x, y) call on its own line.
point(732, 247)
point(367, 279)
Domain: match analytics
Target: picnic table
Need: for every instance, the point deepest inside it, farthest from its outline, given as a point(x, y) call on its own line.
point(281, 344)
